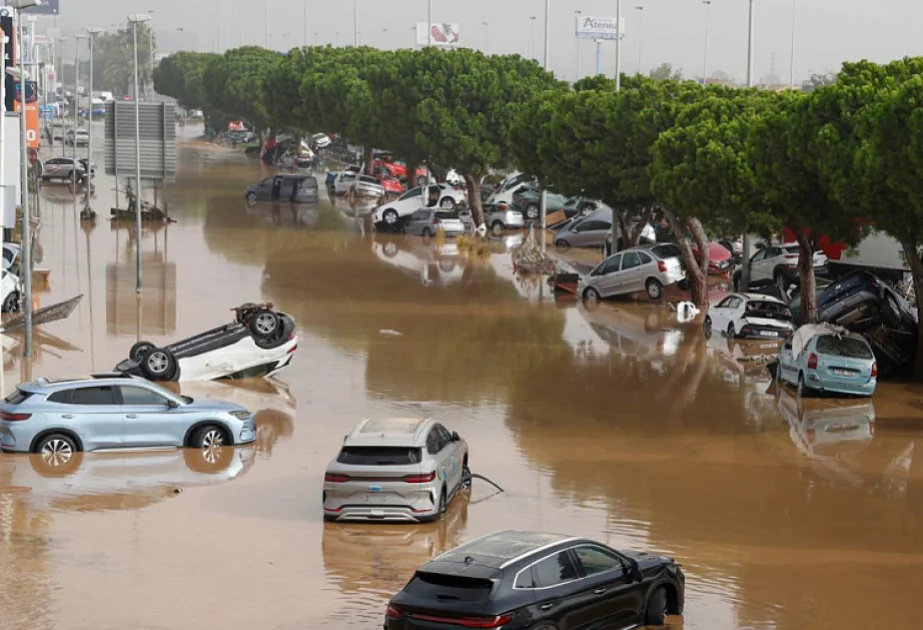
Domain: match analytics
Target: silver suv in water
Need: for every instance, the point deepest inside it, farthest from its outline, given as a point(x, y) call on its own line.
point(397, 469)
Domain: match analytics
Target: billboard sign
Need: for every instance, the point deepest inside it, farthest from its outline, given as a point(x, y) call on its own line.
point(445, 35)
point(32, 114)
point(47, 7)
point(591, 27)
point(9, 53)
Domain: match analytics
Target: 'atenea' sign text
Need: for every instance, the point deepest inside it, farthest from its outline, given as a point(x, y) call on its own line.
point(598, 27)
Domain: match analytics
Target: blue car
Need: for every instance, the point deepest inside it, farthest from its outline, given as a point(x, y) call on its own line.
point(828, 359)
point(58, 417)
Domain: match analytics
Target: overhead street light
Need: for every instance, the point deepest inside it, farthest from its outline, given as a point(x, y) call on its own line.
point(135, 20)
point(92, 32)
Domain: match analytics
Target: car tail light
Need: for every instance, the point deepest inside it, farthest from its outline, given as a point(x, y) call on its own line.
point(393, 613)
point(746, 330)
point(875, 369)
point(334, 478)
point(812, 362)
point(14, 417)
point(292, 349)
point(661, 266)
point(420, 478)
point(464, 622)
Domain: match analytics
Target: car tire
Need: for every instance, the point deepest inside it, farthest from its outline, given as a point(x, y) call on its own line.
point(211, 436)
point(447, 203)
point(731, 331)
point(781, 282)
point(591, 297)
point(390, 218)
point(208, 460)
point(422, 180)
point(656, 612)
point(57, 450)
point(12, 303)
point(497, 228)
point(443, 504)
point(562, 245)
point(139, 350)
point(426, 233)
point(803, 390)
point(654, 289)
point(264, 324)
point(158, 364)
point(532, 211)
point(706, 326)
point(251, 199)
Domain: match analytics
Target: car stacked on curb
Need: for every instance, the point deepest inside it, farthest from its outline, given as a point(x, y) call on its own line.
point(647, 268)
point(393, 214)
point(821, 358)
point(259, 342)
point(397, 469)
point(750, 315)
point(59, 417)
point(533, 580)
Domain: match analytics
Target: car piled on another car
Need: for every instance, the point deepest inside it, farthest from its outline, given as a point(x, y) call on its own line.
point(647, 268)
point(497, 217)
point(534, 580)
point(391, 215)
point(750, 315)
point(778, 264)
point(823, 358)
point(428, 221)
point(259, 342)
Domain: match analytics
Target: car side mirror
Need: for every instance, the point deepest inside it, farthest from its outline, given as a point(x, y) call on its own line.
point(172, 404)
point(455, 436)
point(635, 572)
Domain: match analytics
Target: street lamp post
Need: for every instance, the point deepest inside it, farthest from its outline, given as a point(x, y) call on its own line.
point(745, 272)
point(151, 33)
point(618, 53)
point(135, 20)
point(486, 38)
point(791, 75)
point(306, 23)
point(707, 4)
point(532, 54)
point(356, 23)
point(92, 32)
point(266, 23)
point(77, 39)
point(640, 11)
point(577, 15)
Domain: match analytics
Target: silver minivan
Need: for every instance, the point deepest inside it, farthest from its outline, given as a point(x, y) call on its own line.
point(647, 268)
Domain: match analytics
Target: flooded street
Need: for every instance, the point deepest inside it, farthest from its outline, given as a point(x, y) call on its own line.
point(614, 423)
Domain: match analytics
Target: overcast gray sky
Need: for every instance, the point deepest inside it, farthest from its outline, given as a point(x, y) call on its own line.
point(827, 31)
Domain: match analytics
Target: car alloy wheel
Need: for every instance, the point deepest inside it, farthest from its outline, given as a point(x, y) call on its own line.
point(251, 198)
point(732, 332)
point(266, 323)
point(591, 297)
point(57, 452)
point(158, 362)
point(654, 289)
point(12, 303)
point(210, 438)
point(532, 211)
point(390, 217)
point(497, 228)
point(447, 203)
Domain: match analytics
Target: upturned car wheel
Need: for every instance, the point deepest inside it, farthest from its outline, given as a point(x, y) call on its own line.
point(422, 180)
point(656, 612)
point(56, 450)
point(251, 199)
point(447, 203)
point(654, 289)
point(264, 324)
point(497, 228)
point(158, 364)
point(12, 303)
point(706, 325)
point(139, 349)
point(532, 211)
point(209, 437)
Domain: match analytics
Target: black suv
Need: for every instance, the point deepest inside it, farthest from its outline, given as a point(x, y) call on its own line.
point(515, 580)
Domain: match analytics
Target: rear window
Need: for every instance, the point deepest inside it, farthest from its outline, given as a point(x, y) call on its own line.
point(445, 215)
point(440, 587)
point(667, 251)
point(848, 347)
point(379, 455)
point(17, 397)
point(792, 250)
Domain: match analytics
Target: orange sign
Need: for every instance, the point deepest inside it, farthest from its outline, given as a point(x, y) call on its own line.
point(32, 137)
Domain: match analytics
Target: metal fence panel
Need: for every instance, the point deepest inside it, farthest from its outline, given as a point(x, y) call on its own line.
point(157, 140)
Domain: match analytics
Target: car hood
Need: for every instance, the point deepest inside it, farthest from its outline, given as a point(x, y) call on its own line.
point(213, 404)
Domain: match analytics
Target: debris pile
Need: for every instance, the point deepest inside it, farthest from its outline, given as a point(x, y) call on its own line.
point(529, 257)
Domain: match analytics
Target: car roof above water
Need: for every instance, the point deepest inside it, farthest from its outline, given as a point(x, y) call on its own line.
point(56, 383)
point(501, 549)
point(381, 431)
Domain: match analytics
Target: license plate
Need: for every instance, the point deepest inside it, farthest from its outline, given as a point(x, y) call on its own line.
point(768, 333)
point(840, 428)
point(840, 372)
point(374, 488)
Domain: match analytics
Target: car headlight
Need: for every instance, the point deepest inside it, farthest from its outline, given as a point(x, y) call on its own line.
point(241, 415)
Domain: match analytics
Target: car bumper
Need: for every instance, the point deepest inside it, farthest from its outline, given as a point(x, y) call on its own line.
point(818, 381)
point(386, 514)
point(764, 332)
point(10, 443)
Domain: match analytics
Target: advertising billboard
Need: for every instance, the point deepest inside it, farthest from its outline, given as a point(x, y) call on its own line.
point(9, 53)
point(48, 7)
point(32, 137)
point(591, 27)
point(445, 35)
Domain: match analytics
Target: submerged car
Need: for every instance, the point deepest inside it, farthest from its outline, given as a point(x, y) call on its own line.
point(10, 291)
point(647, 268)
point(362, 185)
point(259, 342)
point(59, 417)
point(428, 221)
point(528, 202)
point(823, 358)
point(522, 580)
point(497, 217)
point(294, 188)
point(396, 469)
point(750, 315)
point(866, 304)
point(67, 169)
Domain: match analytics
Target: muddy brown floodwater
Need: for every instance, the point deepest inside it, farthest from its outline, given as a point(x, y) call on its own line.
point(615, 424)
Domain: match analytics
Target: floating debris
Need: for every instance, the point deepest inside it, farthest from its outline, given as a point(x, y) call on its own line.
point(529, 257)
point(387, 332)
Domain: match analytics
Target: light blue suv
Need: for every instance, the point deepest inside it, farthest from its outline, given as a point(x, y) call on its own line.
point(57, 417)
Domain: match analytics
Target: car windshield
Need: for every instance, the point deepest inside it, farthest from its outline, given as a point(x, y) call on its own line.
point(848, 347)
point(379, 455)
point(793, 249)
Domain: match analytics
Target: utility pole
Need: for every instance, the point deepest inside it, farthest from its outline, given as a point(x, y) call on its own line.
point(745, 272)
point(544, 199)
point(135, 20)
point(618, 50)
point(93, 32)
point(577, 15)
point(640, 11)
point(707, 4)
point(791, 72)
point(77, 39)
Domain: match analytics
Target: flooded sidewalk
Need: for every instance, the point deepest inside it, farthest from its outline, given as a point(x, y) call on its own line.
point(614, 423)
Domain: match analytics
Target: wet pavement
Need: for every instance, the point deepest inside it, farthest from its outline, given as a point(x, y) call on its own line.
point(614, 423)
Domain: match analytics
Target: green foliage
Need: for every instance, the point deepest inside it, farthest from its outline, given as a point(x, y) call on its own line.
point(114, 58)
point(180, 76)
point(665, 72)
point(234, 83)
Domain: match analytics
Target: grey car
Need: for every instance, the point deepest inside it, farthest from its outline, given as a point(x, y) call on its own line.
point(295, 188)
point(397, 469)
point(497, 216)
point(66, 168)
point(57, 417)
point(428, 221)
point(590, 231)
point(646, 268)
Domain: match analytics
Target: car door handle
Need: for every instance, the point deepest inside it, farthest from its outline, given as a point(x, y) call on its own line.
point(599, 591)
point(132, 416)
point(67, 417)
point(546, 607)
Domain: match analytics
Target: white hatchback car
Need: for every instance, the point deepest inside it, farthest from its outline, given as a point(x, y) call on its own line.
point(750, 315)
point(446, 197)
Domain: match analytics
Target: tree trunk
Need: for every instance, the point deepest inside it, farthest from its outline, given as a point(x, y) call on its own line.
point(412, 174)
point(912, 253)
point(806, 276)
point(474, 200)
point(698, 281)
point(437, 172)
point(367, 159)
point(624, 232)
point(646, 218)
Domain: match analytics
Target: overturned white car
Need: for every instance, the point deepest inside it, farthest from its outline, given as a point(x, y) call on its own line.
point(258, 343)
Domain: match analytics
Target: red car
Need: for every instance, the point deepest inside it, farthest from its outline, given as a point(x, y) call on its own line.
point(719, 258)
point(392, 185)
point(386, 163)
